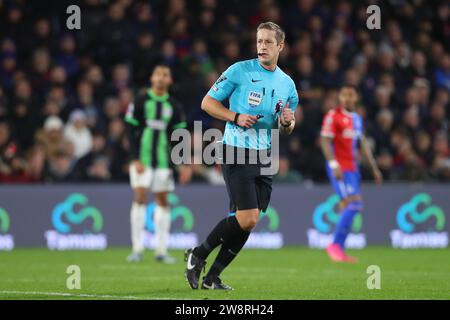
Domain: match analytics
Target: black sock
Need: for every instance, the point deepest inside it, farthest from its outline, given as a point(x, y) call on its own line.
point(213, 240)
point(226, 228)
point(229, 250)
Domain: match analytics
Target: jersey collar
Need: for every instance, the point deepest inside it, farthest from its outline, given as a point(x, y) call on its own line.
point(344, 111)
point(264, 69)
point(156, 97)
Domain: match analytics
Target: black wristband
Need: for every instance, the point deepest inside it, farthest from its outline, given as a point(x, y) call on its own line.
point(236, 116)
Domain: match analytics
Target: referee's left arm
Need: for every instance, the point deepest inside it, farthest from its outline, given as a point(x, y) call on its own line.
point(286, 121)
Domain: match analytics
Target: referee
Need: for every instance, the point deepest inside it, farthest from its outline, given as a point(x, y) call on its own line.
point(261, 96)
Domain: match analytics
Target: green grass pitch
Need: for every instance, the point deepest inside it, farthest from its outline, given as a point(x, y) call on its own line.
point(290, 273)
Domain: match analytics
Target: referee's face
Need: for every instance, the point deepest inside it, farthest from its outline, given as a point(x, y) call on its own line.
point(161, 78)
point(267, 47)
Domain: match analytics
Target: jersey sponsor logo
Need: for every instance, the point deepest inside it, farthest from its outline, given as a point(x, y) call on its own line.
point(156, 124)
point(221, 79)
point(75, 213)
point(256, 80)
point(349, 133)
point(420, 213)
point(6, 239)
point(254, 98)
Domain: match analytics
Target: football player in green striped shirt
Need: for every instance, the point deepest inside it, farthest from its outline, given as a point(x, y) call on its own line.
point(151, 119)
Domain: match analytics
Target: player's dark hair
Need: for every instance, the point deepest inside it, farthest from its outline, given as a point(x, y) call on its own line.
point(161, 65)
point(350, 86)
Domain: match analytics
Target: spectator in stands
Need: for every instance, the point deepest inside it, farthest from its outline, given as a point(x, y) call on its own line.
point(98, 171)
point(120, 78)
point(441, 161)
point(67, 56)
point(36, 162)
point(40, 72)
point(85, 101)
point(117, 148)
point(8, 64)
point(24, 122)
point(382, 131)
point(77, 132)
point(51, 138)
point(442, 72)
point(60, 168)
point(9, 153)
point(422, 146)
point(57, 94)
point(94, 75)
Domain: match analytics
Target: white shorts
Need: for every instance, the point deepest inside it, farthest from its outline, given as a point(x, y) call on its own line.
point(157, 180)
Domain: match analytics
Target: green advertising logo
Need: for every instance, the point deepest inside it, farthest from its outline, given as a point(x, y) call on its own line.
point(412, 210)
point(325, 216)
point(274, 219)
point(4, 221)
point(177, 212)
point(67, 209)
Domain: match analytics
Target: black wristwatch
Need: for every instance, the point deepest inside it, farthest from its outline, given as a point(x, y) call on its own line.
point(236, 116)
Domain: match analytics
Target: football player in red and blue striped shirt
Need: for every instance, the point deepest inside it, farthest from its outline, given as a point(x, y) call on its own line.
point(341, 134)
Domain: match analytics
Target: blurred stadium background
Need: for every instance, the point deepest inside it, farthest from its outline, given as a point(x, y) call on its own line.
point(63, 95)
point(93, 73)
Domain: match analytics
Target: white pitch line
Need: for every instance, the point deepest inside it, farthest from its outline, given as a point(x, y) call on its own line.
point(85, 295)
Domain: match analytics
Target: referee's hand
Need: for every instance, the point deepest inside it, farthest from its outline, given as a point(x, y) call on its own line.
point(246, 120)
point(287, 116)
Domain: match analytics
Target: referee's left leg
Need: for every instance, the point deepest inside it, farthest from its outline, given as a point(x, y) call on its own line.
point(247, 219)
point(231, 233)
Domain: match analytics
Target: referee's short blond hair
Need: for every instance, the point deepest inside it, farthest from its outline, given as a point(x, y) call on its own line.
point(279, 33)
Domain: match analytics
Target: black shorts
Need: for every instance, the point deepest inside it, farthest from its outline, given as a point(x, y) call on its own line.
point(246, 186)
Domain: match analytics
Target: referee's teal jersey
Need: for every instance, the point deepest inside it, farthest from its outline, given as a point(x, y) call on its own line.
point(253, 90)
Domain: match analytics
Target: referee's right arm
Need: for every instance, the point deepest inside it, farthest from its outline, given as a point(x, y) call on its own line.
point(216, 109)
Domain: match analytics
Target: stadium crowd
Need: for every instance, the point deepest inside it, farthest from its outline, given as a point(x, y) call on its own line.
point(63, 93)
